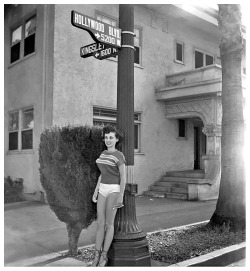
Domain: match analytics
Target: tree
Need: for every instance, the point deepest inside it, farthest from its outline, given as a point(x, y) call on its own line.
point(230, 208)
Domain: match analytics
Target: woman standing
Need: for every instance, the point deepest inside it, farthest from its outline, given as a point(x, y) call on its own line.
point(108, 193)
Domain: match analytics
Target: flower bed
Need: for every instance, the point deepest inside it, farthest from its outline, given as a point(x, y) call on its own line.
point(177, 245)
point(182, 244)
point(13, 190)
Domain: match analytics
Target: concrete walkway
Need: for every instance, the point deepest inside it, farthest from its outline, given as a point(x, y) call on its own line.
point(32, 230)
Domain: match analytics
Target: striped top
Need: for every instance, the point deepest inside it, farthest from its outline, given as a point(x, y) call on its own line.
point(109, 163)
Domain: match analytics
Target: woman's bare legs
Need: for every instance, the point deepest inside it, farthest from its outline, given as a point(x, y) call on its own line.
point(101, 203)
point(110, 217)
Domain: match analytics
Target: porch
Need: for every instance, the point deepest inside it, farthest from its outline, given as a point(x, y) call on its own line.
point(194, 94)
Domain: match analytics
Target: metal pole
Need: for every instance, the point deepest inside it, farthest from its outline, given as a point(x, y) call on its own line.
point(129, 246)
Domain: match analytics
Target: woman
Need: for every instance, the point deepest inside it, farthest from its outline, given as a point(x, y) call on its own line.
point(108, 193)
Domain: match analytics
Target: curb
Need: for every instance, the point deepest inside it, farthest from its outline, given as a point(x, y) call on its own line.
point(44, 259)
point(221, 257)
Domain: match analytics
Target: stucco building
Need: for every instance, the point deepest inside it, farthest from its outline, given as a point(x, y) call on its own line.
point(177, 92)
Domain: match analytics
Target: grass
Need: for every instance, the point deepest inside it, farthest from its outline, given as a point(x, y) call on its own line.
point(173, 246)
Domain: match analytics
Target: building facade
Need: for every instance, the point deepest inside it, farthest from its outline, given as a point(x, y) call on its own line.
point(177, 89)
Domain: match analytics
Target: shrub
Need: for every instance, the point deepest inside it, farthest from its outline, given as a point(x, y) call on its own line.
point(69, 174)
point(13, 190)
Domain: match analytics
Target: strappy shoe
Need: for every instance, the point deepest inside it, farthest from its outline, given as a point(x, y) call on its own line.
point(97, 257)
point(103, 259)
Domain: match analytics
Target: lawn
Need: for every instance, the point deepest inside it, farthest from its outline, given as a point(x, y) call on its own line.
point(177, 245)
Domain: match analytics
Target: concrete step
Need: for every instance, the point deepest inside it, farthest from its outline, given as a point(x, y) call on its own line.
point(154, 194)
point(178, 179)
point(172, 184)
point(187, 174)
point(166, 195)
point(169, 189)
point(176, 196)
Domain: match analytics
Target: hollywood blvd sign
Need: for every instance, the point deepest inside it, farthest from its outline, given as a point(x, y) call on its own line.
point(101, 32)
point(98, 50)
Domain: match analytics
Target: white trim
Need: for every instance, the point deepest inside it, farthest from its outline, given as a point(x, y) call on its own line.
point(129, 32)
point(128, 46)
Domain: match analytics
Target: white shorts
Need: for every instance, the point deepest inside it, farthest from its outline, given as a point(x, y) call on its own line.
point(106, 189)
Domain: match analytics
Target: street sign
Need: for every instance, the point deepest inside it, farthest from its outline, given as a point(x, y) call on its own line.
point(91, 49)
point(98, 50)
point(99, 31)
point(106, 53)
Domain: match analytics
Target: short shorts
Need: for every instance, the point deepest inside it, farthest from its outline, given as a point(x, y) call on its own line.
point(106, 189)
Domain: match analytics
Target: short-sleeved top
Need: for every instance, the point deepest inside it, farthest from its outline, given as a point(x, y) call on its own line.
point(109, 163)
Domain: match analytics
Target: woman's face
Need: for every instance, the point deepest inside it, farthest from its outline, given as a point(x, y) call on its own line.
point(110, 140)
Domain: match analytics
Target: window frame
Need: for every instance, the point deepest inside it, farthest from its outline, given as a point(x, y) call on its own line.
point(21, 23)
point(175, 51)
point(112, 120)
point(20, 129)
point(204, 53)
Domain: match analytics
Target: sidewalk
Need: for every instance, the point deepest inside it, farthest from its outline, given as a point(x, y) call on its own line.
point(34, 235)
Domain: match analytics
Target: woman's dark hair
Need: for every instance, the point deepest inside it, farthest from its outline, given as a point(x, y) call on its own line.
point(112, 129)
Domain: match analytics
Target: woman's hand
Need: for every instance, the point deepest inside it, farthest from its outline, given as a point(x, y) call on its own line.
point(119, 202)
point(95, 195)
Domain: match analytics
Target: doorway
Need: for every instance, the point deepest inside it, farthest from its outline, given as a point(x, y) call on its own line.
point(199, 146)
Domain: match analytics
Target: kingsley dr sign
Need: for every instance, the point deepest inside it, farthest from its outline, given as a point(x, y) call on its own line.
point(99, 31)
point(98, 50)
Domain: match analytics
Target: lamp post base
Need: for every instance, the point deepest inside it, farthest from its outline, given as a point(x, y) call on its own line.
point(130, 245)
point(129, 253)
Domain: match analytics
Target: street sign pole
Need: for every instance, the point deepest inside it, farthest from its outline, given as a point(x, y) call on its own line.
point(129, 246)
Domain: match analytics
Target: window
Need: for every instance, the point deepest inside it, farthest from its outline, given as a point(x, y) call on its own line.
point(29, 37)
point(21, 136)
point(202, 59)
point(137, 39)
point(106, 19)
point(23, 39)
point(104, 116)
point(179, 52)
point(16, 44)
point(27, 129)
point(137, 45)
point(182, 128)
point(13, 131)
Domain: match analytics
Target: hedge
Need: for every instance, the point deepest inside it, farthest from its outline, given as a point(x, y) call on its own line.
point(68, 171)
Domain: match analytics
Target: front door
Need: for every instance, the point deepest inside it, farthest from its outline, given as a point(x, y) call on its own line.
point(196, 148)
point(199, 147)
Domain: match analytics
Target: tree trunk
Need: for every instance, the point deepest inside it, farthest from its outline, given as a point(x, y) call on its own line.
point(74, 230)
point(230, 208)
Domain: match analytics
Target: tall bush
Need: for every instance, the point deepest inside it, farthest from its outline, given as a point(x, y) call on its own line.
point(69, 174)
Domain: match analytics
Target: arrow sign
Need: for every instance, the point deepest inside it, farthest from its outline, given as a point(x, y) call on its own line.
point(106, 53)
point(99, 31)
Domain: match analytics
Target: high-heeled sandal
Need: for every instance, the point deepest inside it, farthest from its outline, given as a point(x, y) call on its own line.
point(97, 257)
point(104, 260)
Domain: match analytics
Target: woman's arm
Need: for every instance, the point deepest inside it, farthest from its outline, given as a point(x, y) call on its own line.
point(98, 183)
point(94, 197)
point(119, 202)
point(123, 178)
